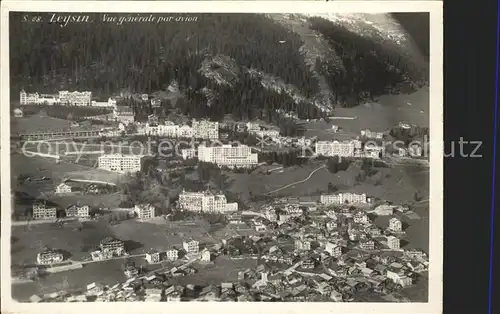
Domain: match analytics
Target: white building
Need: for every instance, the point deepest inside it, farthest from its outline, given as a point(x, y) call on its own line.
point(205, 129)
point(185, 131)
point(75, 98)
point(18, 113)
point(153, 257)
point(205, 256)
point(370, 134)
point(252, 127)
point(78, 211)
point(206, 202)
point(188, 153)
point(373, 151)
point(343, 198)
point(395, 225)
point(228, 156)
point(41, 211)
point(191, 246)
point(172, 254)
point(35, 98)
point(120, 163)
point(144, 211)
point(333, 249)
point(302, 245)
point(123, 114)
point(393, 242)
point(360, 218)
point(63, 188)
point(260, 227)
point(49, 257)
point(268, 133)
point(399, 278)
point(336, 148)
point(111, 103)
point(25, 98)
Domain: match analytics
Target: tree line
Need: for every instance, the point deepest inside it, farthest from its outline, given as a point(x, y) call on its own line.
point(144, 57)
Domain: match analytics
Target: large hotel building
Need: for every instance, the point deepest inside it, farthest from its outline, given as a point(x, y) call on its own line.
point(200, 129)
point(343, 198)
point(65, 98)
point(336, 148)
point(205, 202)
point(41, 211)
point(75, 98)
point(35, 98)
point(120, 163)
point(229, 156)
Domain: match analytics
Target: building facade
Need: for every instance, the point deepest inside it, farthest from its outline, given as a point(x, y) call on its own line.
point(41, 211)
point(75, 98)
point(123, 114)
point(367, 244)
point(393, 243)
point(49, 257)
point(336, 148)
point(78, 211)
point(343, 198)
point(205, 202)
point(120, 163)
point(191, 246)
point(398, 277)
point(302, 245)
point(188, 153)
point(153, 257)
point(370, 134)
point(172, 255)
point(112, 246)
point(145, 211)
point(205, 129)
point(395, 225)
point(63, 188)
point(333, 249)
point(36, 98)
point(228, 156)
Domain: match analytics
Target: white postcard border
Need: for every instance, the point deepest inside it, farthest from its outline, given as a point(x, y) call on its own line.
point(434, 305)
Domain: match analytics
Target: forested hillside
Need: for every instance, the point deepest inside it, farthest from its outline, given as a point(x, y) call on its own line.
point(106, 58)
point(252, 48)
point(371, 67)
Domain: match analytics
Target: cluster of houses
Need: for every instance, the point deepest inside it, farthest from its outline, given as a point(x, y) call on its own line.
point(312, 251)
point(340, 279)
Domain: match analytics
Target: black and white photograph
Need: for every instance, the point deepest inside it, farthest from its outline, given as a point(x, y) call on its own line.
point(264, 151)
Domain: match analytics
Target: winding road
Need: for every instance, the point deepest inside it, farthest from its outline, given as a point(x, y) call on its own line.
point(298, 182)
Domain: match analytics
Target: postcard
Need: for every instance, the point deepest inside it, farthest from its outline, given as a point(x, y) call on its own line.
point(283, 154)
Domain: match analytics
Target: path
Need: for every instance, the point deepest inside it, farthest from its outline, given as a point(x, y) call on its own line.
point(109, 259)
point(298, 182)
point(91, 181)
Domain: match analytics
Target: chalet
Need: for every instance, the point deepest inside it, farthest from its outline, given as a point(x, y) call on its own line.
point(78, 211)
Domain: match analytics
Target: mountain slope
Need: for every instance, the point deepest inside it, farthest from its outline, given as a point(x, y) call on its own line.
point(308, 60)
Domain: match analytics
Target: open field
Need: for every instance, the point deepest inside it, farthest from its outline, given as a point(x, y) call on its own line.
point(38, 123)
point(28, 241)
point(257, 183)
point(94, 201)
point(398, 184)
point(224, 269)
point(379, 116)
point(61, 147)
point(106, 273)
point(39, 166)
